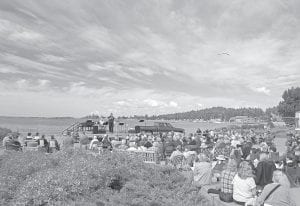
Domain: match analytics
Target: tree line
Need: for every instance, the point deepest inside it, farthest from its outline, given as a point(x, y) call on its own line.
point(285, 110)
point(221, 113)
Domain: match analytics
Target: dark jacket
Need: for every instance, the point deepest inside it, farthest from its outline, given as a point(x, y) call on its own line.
point(264, 173)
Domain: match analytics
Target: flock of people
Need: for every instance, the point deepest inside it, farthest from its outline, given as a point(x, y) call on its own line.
point(239, 166)
point(244, 168)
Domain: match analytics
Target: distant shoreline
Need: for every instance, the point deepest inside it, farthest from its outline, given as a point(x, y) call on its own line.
point(27, 117)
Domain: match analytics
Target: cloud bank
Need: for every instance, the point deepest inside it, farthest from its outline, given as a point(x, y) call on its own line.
point(73, 57)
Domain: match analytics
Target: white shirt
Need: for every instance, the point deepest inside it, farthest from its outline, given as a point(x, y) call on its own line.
point(242, 188)
point(234, 143)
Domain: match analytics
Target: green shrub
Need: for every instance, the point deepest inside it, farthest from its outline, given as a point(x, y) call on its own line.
point(75, 177)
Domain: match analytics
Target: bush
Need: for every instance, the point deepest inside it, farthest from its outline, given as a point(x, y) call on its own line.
point(75, 177)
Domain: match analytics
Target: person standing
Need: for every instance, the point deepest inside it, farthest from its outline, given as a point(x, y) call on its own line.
point(111, 120)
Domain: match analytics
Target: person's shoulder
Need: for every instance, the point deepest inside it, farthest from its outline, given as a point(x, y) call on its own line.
point(269, 186)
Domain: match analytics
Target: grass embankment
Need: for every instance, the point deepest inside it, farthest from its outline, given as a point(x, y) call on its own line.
point(76, 178)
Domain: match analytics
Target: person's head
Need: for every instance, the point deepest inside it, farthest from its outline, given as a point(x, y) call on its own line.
point(52, 137)
point(232, 165)
point(9, 135)
point(263, 157)
point(221, 158)
point(29, 134)
point(280, 177)
point(202, 158)
point(37, 134)
point(178, 148)
point(273, 148)
point(15, 135)
point(245, 170)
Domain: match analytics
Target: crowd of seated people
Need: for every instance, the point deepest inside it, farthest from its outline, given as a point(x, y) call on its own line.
point(245, 175)
point(13, 141)
point(10, 142)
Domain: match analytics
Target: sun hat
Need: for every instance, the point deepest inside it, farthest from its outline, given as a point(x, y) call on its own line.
point(221, 157)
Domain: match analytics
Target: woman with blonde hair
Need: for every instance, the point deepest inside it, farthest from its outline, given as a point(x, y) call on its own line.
point(244, 187)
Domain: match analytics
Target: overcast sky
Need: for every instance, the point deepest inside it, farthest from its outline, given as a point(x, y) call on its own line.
point(74, 57)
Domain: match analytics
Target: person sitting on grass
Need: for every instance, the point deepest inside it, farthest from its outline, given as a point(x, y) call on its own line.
point(7, 140)
point(132, 146)
point(53, 145)
point(226, 193)
point(123, 145)
point(106, 143)
point(94, 143)
point(189, 156)
point(177, 157)
point(148, 143)
point(244, 187)
point(264, 170)
point(29, 137)
point(226, 188)
point(84, 141)
point(37, 136)
point(43, 143)
point(202, 171)
point(276, 193)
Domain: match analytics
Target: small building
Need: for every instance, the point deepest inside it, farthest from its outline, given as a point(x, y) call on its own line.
point(243, 120)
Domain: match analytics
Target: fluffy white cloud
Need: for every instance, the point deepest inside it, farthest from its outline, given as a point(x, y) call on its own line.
point(263, 90)
point(173, 104)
